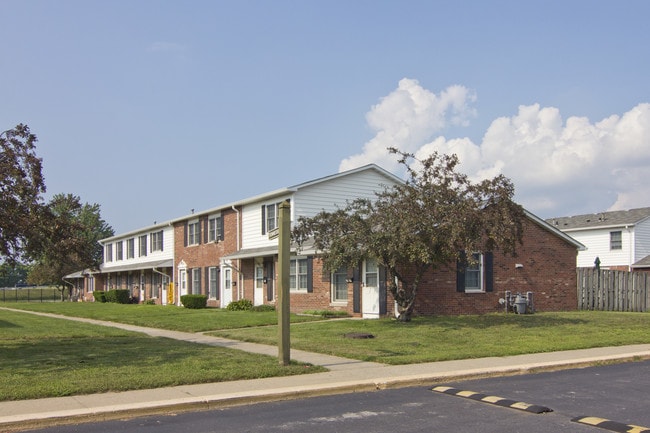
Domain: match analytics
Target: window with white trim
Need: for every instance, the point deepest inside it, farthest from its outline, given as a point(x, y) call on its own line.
point(215, 229)
point(259, 276)
point(196, 281)
point(119, 250)
point(474, 274)
point(193, 233)
point(108, 250)
point(157, 241)
point(213, 284)
point(130, 248)
point(271, 217)
point(298, 275)
point(616, 240)
point(142, 242)
point(340, 285)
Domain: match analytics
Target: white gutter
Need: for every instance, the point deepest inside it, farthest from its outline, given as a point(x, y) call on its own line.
point(239, 274)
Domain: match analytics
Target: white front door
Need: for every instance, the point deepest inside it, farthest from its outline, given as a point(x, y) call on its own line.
point(182, 284)
point(258, 296)
point(226, 287)
point(370, 292)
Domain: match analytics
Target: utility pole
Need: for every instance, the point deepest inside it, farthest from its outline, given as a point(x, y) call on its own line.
point(284, 250)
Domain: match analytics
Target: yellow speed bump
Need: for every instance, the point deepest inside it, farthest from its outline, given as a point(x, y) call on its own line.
point(492, 399)
point(611, 425)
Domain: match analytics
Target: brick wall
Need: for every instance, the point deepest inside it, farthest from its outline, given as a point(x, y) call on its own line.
point(548, 271)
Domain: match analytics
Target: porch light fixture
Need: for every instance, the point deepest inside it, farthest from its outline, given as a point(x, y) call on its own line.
point(349, 280)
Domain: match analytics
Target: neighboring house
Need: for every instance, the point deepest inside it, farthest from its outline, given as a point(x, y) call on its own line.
point(229, 253)
point(140, 261)
point(620, 240)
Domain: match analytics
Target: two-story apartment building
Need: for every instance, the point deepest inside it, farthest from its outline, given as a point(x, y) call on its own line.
point(228, 253)
point(618, 240)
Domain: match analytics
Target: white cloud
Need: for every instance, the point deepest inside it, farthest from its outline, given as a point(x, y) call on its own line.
point(558, 167)
point(409, 116)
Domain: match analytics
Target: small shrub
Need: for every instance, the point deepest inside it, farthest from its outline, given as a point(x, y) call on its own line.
point(99, 295)
point(262, 308)
point(194, 301)
point(150, 302)
point(118, 296)
point(241, 305)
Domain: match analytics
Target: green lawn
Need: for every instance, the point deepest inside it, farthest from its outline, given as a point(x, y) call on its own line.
point(428, 339)
point(49, 357)
point(164, 317)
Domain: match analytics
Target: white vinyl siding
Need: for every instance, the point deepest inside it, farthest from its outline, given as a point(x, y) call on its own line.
point(164, 251)
point(597, 242)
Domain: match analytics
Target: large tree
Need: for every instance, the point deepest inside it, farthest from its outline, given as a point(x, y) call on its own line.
point(69, 240)
point(429, 221)
point(21, 189)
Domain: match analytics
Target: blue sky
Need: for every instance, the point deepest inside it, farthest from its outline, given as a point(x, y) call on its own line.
point(153, 108)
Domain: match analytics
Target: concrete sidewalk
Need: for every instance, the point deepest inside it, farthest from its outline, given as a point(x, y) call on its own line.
point(345, 376)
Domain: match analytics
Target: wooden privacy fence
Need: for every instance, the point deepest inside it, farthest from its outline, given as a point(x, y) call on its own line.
point(607, 290)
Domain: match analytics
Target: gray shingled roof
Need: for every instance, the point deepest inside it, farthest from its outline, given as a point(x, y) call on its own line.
point(643, 263)
point(601, 219)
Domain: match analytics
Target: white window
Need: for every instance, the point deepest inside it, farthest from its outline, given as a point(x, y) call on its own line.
point(371, 277)
point(193, 233)
point(340, 285)
point(130, 248)
point(196, 281)
point(157, 241)
point(119, 253)
point(215, 229)
point(474, 274)
point(616, 240)
point(271, 217)
point(143, 245)
point(298, 275)
point(109, 252)
point(213, 285)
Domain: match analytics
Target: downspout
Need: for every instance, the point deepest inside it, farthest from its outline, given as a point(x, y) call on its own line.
point(632, 245)
point(240, 281)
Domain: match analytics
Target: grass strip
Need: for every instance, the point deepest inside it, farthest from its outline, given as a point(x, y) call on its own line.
point(49, 357)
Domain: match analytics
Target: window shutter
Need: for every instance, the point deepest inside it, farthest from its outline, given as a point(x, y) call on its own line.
point(356, 289)
point(383, 290)
point(189, 277)
point(488, 264)
point(185, 235)
point(263, 219)
point(310, 274)
point(206, 229)
point(461, 264)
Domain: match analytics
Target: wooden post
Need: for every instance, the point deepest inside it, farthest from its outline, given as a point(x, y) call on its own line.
point(284, 240)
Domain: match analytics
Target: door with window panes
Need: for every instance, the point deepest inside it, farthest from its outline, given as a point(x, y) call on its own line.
point(370, 292)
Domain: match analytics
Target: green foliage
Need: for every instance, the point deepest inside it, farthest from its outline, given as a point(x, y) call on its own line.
point(262, 308)
point(12, 274)
point(241, 305)
point(70, 240)
point(417, 226)
point(327, 313)
point(194, 301)
point(99, 295)
point(22, 184)
point(118, 296)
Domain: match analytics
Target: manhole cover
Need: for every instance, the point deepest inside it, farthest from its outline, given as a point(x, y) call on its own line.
point(359, 335)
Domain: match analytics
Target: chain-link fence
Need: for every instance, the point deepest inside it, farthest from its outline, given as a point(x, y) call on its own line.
point(33, 294)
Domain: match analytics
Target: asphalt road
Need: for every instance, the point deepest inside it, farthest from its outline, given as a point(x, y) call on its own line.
point(615, 393)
